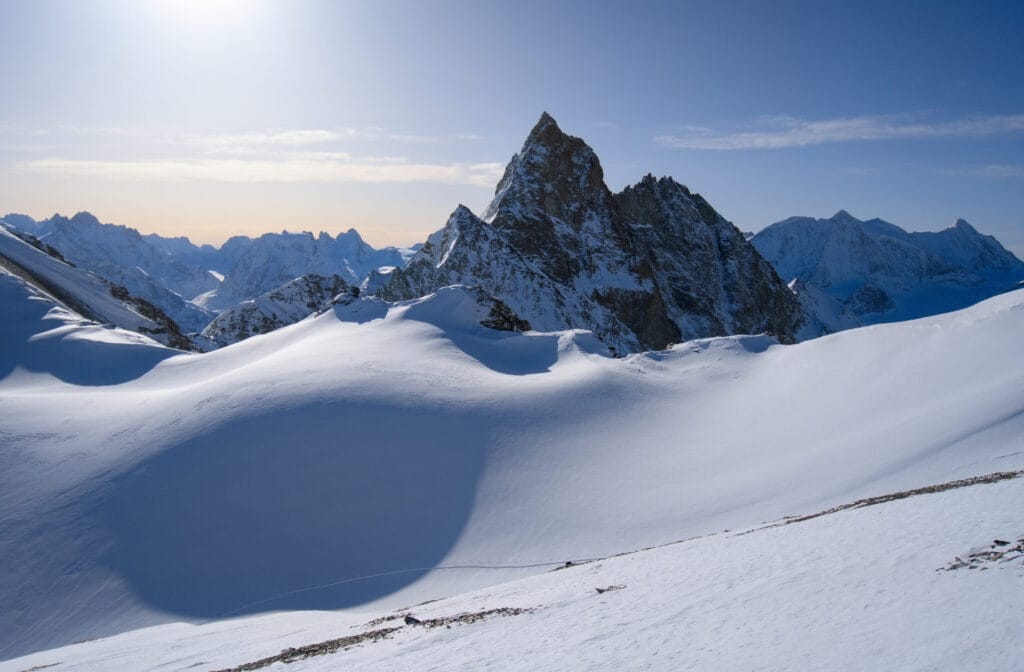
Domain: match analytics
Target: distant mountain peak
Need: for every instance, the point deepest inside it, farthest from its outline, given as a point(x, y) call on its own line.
point(843, 217)
point(963, 225)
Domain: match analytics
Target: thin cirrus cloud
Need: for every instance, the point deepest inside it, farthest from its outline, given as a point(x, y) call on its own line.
point(781, 132)
point(313, 168)
point(994, 171)
point(304, 155)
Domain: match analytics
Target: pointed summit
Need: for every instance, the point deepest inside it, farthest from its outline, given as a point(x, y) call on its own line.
point(554, 176)
point(843, 217)
point(964, 226)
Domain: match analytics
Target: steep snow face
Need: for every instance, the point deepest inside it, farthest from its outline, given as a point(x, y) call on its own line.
point(91, 298)
point(381, 455)
point(285, 305)
point(643, 269)
point(881, 273)
point(119, 254)
point(260, 265)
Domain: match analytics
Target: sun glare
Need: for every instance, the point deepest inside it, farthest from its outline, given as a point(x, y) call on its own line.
point(202, 13)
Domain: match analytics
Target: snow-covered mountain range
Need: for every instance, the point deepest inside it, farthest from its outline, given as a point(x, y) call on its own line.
point(191, 283)
point(642, 269)
point(875, 271)
point(275, 259)
point(650, 266)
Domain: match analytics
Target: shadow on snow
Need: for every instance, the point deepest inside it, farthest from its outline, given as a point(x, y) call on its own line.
point(280, 510)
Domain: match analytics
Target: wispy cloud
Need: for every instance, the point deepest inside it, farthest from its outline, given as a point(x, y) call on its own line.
point(292, 155)
point(780, 132)
point(312, 168)
point(994, 171)
point(273, 139)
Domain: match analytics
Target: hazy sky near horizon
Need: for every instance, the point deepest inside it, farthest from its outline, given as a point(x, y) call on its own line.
point(209, 118)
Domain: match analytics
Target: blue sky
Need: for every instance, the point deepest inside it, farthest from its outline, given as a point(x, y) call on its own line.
point(212, 117)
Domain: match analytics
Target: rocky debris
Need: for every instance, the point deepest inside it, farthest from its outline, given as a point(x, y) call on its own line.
point(881, 499)
point(41, 667)
point(643, 269)
point(471, 617)
point(991, 555)
point(601, 591)
point(294, 654)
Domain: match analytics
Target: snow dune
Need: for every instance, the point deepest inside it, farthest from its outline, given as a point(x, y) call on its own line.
point(378, 456)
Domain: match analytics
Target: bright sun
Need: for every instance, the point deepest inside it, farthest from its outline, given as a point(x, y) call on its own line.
point(203, 13)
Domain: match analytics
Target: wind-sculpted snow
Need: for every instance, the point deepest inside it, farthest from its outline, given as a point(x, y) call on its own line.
point(38, 336)
point(380, 455)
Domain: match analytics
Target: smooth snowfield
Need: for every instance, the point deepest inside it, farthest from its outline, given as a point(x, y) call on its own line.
point(855, 590)
point(379, 456)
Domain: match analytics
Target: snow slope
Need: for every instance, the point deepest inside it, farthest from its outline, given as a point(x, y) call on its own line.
point(853, 591)
point(380, 455)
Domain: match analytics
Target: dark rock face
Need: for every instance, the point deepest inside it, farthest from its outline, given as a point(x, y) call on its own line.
point(642, 269)
point(711, 280)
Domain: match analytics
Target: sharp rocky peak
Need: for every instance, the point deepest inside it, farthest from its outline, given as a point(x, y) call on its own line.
point(554, 175)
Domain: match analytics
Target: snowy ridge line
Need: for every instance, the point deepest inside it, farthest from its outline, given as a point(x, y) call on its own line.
point(299, 591)
point(994, 477)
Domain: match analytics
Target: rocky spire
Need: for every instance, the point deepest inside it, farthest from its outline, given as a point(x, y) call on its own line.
point(554, 175)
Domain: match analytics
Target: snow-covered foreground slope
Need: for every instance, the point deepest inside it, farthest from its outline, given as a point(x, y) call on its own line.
point(851, 591)
point(379, 456)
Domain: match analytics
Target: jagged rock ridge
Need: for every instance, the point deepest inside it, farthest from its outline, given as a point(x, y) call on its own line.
point(279, 307)
point(645, 268)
